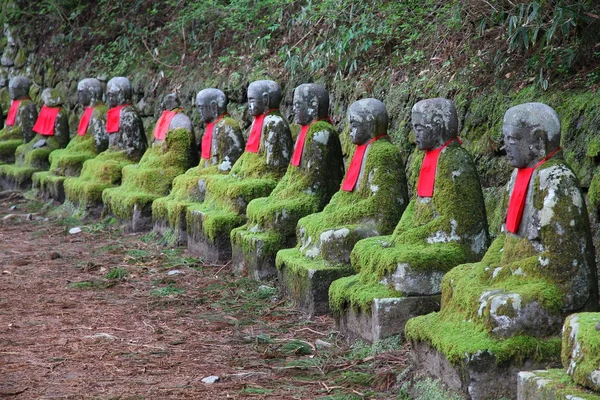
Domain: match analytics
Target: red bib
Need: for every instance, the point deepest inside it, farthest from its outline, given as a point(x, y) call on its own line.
point(12, 113)
point(356, 164)
point(516, 204)
point(299, 147)
point(164, 122)
point(255, 133)
point(44, 125)
point(207, 137)
point(113, 119)
point(84, 121)
point(429, 168)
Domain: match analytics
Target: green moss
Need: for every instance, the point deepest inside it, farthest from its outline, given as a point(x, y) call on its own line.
point(581, 349)
point(152, 177)
point(459, 340)
point(558, 385)
point(350, 292)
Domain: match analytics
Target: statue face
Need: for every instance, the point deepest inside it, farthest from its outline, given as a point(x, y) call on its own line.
point(207, 110)
point(522, 147)
point(84, 97)
point(258, 102)
point(17, 91)
point(170, 102)
point(427, 135)
point(305, 110)
point(114, 96)
point(361, 130)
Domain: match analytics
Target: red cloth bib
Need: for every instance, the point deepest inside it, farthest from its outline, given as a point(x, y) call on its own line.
point(255, 133)
point(44, 125)
point(164, 122)
point(12, 112)
point(299, 147)
point(84, 121)
point(207, 137)
point(429, 168)
point(356, 164)
point(113, 119)
point(516, 204)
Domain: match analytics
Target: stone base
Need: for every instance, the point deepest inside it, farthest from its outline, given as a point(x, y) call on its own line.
point(162, 227)
point(386, 318)
point(141, 219)
point(9, 183)
point(257, 266)
point(216, 251)
point(310, 292)
point(552, 384)
point(478, 375)
point(53, 189)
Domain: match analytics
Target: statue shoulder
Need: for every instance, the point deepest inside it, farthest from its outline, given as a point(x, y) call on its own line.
point(180, 120)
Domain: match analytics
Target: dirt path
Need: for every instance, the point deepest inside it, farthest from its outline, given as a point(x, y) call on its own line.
point(98, 315)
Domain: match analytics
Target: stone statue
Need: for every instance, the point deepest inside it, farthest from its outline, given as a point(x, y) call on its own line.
point(52, 132)
point(255, 174)
point(222, 144)
point(371, 200)
point(173, 151)
point(400, 275)
point(314, 175)
point(91, 139)
point(19, 122)
point(126, 145)
point(510, 306)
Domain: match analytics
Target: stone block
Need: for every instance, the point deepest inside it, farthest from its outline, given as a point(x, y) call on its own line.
point(257, 265)
point(215, 250)
point(386, 317)
point(162, 227)
point(478, 376)
point(554, 384)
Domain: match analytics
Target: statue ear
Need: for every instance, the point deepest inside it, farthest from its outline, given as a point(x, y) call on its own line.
point(265, 97)
point(214, 107)
point(540, 138)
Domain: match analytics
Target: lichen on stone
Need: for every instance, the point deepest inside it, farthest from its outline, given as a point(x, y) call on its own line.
point(581, 349)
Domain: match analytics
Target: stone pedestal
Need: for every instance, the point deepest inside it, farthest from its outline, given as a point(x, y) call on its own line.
point(215, 250)
point(479, 376)
point(162, 227)
point(386, 317)
point(51, 187)
point(552, 384)
point(257, 265)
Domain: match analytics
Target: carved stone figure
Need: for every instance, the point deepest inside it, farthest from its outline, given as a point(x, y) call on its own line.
point(508, 309)
point(173, 151)
point(255, 174)
point(91, 139)
point(19, 121)
point(314, 175)
point(371, 200)
point(52, 132)
point(126, 145)
point(222, 144)
point(400, 275)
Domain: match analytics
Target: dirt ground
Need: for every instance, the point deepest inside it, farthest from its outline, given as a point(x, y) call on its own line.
point(101, 314)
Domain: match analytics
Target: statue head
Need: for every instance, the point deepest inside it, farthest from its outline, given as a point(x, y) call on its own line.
point(211, 104)
point(118, 91)
point(18, 87)
point(263, 96)
point(368, 118)
point(89, 92)
point(434, 122)
point(311, 102)
point(531, 132)
point(170, 102)
point(52, 97)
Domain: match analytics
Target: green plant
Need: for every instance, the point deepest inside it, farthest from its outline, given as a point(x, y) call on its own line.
point(169, 290)
point(116, 273)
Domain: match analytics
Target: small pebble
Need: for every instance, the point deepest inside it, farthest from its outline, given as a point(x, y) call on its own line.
point(75, 230)
point(13, 208)
point(211, 379)
point(175, 272)
point(321, 344)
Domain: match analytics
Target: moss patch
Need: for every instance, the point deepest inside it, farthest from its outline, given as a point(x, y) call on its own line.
point(350, 292)
point(581, 349)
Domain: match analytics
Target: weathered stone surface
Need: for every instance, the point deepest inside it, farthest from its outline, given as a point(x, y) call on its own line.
point(227, 144)
point(581, 350)
point(551, 384)
point(372, 208)
point(33, 155)
point(254, 175)
point(305, 189)
point(13, 136)
point(386, 317)
point(69, 161)
point(151, 178)
point(479, 376)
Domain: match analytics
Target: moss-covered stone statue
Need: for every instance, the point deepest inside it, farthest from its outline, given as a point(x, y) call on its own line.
point(314, 175)
point(52, 132)
point(18, 128)
point(222, 144)
point(372, 198)
point(400, 275)
point(173, 151)
point(255, 174)
point(580, 376)
point(504, 314)
point(126, 145)
point(90, 140)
